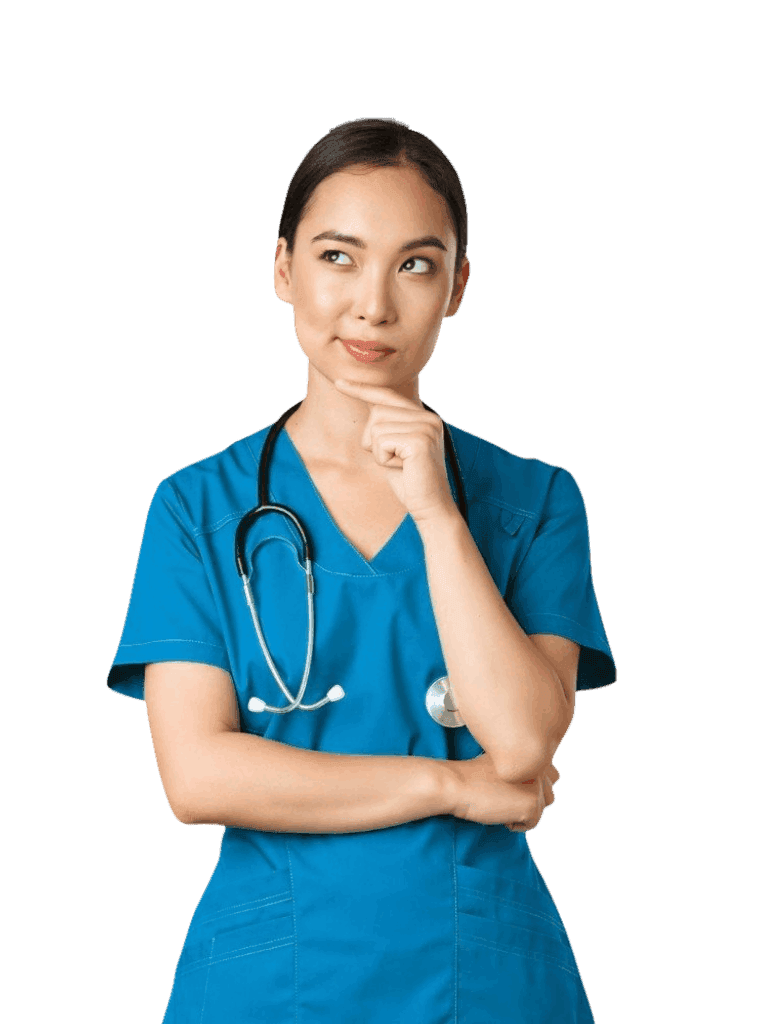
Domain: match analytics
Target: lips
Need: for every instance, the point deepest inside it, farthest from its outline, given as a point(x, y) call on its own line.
point(366, 346)
point(369, 355)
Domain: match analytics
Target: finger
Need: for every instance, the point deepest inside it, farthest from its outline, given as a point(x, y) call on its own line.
point(375, 394)
point(407, 415)
point(377, 429)
point(406, 444)
point(388, 447)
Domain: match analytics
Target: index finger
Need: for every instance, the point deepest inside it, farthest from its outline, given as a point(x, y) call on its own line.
point(376, 394)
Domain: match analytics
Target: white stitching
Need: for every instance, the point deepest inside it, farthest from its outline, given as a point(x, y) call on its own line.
point(565, 618)
point(175, 640)
point(520, 951)
point(513, 903)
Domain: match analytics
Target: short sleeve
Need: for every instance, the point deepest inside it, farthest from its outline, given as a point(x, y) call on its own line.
point(172, 614)
point(552, 590)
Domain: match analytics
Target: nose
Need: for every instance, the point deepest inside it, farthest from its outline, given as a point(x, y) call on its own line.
point(374, 300)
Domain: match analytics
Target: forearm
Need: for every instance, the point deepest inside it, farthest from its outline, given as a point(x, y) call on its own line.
point(510, 700)
point(247, 781)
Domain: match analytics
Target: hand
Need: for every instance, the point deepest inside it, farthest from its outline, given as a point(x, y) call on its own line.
point(481, 795)
point(408, 440)
point(542, 788)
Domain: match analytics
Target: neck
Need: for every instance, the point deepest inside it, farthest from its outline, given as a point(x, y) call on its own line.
point(329, 425)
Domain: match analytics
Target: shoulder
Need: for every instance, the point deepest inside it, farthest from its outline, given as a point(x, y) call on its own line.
point(216, 488)
point(524, 487)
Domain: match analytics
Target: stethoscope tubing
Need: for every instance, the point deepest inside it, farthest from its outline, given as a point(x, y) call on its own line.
point(264, 505)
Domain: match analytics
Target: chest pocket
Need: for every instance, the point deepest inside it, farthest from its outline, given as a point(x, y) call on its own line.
point(502, 536)
point(511, 521)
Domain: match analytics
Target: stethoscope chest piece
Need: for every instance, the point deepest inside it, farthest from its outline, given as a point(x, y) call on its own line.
point(440, 704)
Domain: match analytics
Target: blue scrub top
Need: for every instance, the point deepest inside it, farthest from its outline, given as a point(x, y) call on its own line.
point(435, 920)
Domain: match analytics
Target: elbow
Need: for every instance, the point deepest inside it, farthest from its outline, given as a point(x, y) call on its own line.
point(184, 803)
point(195, 801)
point(183, 811)
point(187, 787)
point(192, 790)
point(522, 766)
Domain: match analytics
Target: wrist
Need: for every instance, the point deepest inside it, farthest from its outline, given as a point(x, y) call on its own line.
point(448, 785)
point(447, 520)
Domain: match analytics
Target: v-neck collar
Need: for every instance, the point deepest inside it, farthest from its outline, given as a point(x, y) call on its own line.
point(331, 548)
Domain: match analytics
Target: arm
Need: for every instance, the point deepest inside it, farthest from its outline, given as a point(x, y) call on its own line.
point(213, 773)
point(507, 691)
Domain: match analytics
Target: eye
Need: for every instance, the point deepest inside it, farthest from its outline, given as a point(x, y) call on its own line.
point(428, 265)
point(333, 256)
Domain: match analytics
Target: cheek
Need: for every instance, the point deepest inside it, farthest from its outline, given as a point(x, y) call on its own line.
point(428, 299)
point(430, 306)
point(316, 299)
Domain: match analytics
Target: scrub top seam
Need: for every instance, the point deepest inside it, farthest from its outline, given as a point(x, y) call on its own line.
point(455, 890)
point(214, 527)
point(565, 618)
point(506, 507)
point(176, 640)
point(373, 573)
point(294, 927)
point(181, 502)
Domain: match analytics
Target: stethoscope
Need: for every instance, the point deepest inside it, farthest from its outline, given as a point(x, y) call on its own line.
point(438, 699)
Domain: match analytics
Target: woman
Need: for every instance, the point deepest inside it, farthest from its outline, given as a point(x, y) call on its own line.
point(374, 866)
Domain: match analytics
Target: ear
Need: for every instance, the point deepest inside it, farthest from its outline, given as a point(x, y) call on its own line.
point(281, 272)
point(460, 283)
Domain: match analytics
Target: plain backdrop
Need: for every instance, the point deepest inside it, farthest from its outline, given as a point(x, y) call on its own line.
point(611, 159)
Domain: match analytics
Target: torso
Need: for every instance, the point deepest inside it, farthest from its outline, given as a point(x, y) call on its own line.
point(362, 504)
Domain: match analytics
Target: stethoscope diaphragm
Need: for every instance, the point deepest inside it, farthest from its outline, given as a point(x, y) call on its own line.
point(439, 701)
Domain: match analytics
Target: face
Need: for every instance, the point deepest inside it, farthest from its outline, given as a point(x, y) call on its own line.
point(373, 262)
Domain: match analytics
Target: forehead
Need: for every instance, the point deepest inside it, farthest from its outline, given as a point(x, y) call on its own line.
point(383, 204)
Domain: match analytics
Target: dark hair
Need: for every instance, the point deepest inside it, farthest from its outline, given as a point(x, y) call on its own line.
point(378, 142)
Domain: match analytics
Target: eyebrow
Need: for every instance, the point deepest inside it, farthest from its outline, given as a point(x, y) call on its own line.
point(415, 243)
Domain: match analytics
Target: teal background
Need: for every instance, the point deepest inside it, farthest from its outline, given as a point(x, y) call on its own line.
point(611, 326)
